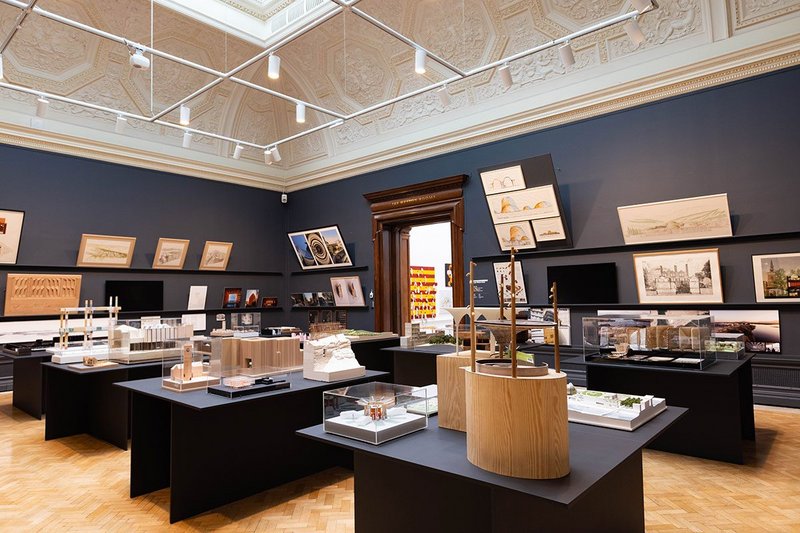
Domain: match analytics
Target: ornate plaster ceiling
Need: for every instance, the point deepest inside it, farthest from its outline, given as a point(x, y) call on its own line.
point(346, 65)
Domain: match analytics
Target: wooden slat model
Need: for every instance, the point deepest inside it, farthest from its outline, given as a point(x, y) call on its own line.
point(41, 294)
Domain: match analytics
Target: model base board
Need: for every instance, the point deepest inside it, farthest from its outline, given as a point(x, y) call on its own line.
point(193, 384)
point(605, 409)
point(336, 375)
point(76, 354)
point(365, 429)
point(234, 392)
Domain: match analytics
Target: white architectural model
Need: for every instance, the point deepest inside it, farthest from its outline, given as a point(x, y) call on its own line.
point(64, 353)
point(330, 359)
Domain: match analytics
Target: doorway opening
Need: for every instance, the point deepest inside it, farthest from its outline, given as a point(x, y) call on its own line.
point(430, 287)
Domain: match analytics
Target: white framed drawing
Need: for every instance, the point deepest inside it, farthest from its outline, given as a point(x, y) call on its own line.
point(549, 229)
point(503, 180)
point(686, 276)
point(684, 219)
point(10, 235)
point(515, 235)
point(527, 204)
point(777, 277)
point(502, 276)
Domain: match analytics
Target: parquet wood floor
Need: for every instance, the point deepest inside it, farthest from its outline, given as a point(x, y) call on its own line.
point(79, 484)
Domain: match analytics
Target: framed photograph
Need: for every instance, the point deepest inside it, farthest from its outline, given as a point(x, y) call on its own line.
point(527, 204)
point(549, 229)
point(503, 180)
point(347, 291)
point(251, 298)
point(320, 248)
point(216, 255)
point(504, 270)
point(687, 276)
point(297, 299)
point(761, 328)
point(170, 253)
point(10, 235)
point(269, 301)
point(515, 235)
point(777, 277)
point(107, 251)
point(325, 299)
point(232, 298)
point(701, 217)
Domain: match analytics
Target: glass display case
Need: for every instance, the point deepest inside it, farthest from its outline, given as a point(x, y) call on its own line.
point(147, 339)
point(246, 324)
point(727, 345)
point(373, 412)
point(190, 371)
point(661, 340)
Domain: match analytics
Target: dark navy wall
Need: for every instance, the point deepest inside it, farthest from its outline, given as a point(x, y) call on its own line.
point(66, 196)
point(741, 139)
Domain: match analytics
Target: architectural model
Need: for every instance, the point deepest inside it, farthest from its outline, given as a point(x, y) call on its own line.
point(611, 410)
point(190, 374)
point(64, 353)
point(134, 341)
point(330, 358)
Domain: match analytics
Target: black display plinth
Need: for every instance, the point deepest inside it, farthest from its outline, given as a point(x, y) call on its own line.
point(256, 388)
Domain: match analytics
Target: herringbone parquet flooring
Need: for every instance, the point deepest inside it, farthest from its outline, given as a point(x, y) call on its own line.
point(81, 484)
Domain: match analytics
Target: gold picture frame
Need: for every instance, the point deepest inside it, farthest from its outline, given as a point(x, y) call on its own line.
point(216, 255)
point(170, 253)
point(105, 251)
point(679, 277)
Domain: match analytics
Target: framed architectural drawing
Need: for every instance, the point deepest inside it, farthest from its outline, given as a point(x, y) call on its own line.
point(688, 276)
point(347, 291)
point(777, 277)
point(216, 255)
point(527, 204)
point(515, 235)
point(170, 253)
point(549, 229)
point(686, 219)
point(504, 270)
point(320, 248)
point(503, 180)
point(10, 235)
point(269, 301)
point(107, 251)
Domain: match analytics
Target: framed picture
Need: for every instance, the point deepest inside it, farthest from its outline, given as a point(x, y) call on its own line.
point(10, 235)
point(197, 297)
point(761, 328)
point(107, 251)
point(701, 217)
point(325, 299)
point(503, 180)
point(320, 248)
point(504, 270)
point(688, 276)
point(549, 229)
point(297, 299)
point(251, 298)
point(347, 291)
point(515, 235)
point(216, 255)
point(777, 277)
point(170, 253)
point(232, 298)
point(527, 204)
point(269, 301)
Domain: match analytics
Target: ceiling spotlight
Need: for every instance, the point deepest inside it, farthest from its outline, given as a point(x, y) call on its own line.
point(300, 113)
point(444, 96)
point(138, 59)
point(505, 76)
point(641, 5)
point(41, 107)
point(237, 152)
point(186, 115)
point(634, 32)
point(121, 123)
point(566, 54)
point(276, 155)
point(268, 157)
point(274, 67)
point(1, 66)
point(187, 139)
point(419, 60)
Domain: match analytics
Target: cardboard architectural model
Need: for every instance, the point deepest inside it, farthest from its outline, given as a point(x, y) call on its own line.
point(66, 352)
point(330, 358)
point(154, 339)
point(190, 374)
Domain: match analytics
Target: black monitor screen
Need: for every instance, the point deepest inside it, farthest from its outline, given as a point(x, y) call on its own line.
point(585, 284)
point(137, 295)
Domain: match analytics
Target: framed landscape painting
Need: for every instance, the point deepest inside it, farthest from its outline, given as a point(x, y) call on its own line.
point(216, 255)
point(170, 253)
point(320, 248)
point(10, 235)
point(702, 217)
point(777, 277)
point(689, 276)
point(107, 251)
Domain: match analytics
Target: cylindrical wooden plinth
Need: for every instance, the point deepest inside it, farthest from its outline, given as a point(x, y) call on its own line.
point(518, 427)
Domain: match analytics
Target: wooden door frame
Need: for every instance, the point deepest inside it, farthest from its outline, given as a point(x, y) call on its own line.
point(393, 211)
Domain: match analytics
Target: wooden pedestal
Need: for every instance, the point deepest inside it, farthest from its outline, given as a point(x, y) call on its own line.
point(518, 427)
point(450, 385)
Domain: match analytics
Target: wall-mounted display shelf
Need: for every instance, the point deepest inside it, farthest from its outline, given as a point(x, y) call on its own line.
point(162, 312)
point(330, 270)
point(693, 306)
point(341, 307)
point(88, 270)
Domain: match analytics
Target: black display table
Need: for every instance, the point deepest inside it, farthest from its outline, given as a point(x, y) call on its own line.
point(423, 482)
point(719, 398)
point(29, 382)
point(417, 366)
point(369, 353)
point(85, 401)
point(211, 450)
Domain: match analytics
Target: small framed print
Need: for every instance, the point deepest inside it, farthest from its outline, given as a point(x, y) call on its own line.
point(170, 253)
point(251, 298)
point(685, 276)
point(549, 229)
point(527, 204)
point(502, 276)
point(10, 235)
point(216, 255)
point(503, 180)
point(777, 277)
point(347, 291)
point(515, 235)
point(232, 298)
point(108, 251)
point(269, 301)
